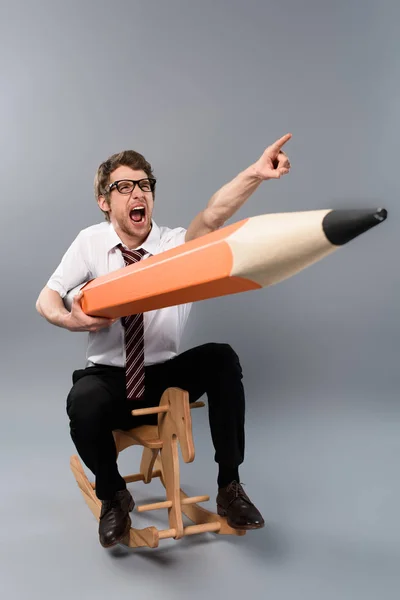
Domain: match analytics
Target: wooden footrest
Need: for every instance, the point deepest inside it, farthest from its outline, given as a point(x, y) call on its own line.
point(191, 530)
point(168, 503)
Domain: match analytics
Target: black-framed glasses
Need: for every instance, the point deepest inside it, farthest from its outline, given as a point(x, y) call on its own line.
point(126, 186)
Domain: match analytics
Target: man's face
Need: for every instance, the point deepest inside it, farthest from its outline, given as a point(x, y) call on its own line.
point(121, 206)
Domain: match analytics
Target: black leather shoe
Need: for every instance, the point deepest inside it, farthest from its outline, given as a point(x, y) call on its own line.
point(234, 504)
point(115, 521)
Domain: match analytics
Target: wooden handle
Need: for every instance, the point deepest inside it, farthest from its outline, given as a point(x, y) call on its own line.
point(160, 409)
point(149, 411)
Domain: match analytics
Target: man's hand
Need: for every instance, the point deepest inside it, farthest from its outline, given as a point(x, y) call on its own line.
point(273, 163)
point(77, 320)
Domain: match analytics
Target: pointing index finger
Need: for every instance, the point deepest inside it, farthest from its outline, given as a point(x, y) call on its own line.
point(281, 142)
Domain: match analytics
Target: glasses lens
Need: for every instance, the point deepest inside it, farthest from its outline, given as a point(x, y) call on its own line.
point(124, 187)
point(145, 185)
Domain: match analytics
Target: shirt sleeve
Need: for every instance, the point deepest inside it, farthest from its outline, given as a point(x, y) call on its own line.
point(73, 269)
point(174, 237)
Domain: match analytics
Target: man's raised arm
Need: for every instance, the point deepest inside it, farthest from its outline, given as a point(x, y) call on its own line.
point(273, 164)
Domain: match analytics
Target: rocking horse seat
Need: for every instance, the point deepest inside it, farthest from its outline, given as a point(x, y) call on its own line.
point(144, 435)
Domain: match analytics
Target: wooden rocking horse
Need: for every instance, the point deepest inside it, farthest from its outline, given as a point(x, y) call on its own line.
point(160, 459)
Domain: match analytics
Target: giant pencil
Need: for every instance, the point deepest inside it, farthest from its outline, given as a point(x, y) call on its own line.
point(251, 254)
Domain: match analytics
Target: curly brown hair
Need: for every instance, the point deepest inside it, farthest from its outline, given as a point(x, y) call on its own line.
point(126, 158)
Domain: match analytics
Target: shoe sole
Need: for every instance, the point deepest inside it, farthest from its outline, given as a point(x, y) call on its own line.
point(222, 513)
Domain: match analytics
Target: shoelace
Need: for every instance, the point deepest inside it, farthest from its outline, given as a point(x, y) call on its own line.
point(239, 491)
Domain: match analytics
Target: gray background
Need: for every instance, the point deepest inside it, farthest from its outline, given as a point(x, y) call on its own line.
point(201, 88)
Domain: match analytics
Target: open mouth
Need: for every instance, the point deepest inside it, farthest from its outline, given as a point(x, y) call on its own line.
point(138, 214)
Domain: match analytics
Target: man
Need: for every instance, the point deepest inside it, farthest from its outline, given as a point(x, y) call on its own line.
point(131, 361)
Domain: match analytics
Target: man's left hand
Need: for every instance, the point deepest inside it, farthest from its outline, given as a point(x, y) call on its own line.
point(273, 163)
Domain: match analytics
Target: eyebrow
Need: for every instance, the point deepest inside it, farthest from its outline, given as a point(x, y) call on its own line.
point(129, 179)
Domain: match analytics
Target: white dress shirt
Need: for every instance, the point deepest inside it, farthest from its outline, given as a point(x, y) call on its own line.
point(94, 253)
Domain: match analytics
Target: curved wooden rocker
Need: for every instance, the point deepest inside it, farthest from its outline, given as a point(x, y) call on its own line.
point(160, 459)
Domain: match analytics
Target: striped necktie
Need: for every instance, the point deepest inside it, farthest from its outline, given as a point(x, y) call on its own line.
point(134, 339)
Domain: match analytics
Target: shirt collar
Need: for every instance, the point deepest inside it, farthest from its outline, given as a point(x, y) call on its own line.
point(150, 245)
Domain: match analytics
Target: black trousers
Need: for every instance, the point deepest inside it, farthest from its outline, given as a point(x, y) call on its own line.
point(97, 404)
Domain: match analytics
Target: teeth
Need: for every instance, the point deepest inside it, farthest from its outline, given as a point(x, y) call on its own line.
point(138, 208)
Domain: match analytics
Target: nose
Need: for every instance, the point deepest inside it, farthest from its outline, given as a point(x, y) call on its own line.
point(136, 192)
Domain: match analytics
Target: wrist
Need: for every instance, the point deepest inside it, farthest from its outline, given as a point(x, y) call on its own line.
point(255, 175)
point(65, 321)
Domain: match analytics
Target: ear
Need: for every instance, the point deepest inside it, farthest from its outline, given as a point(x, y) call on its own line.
point(103, 203)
